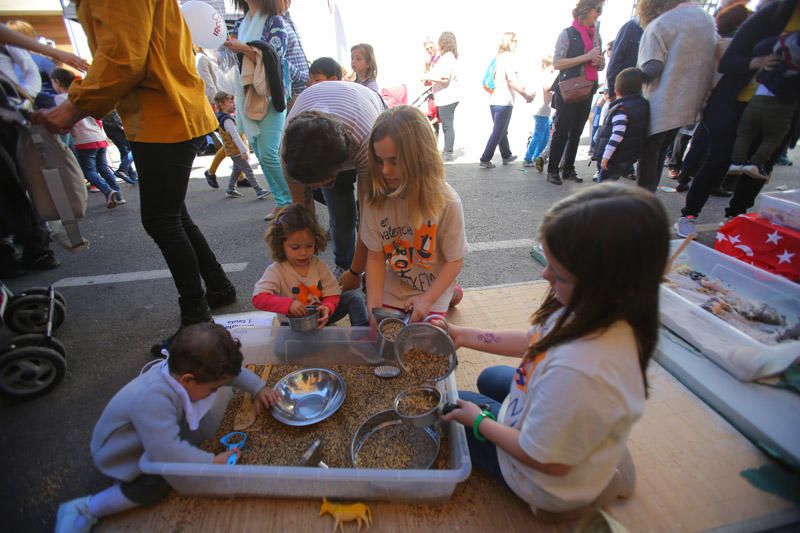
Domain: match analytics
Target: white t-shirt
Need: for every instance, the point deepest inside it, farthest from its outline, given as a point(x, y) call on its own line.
point(505, 69)
point(574, 405)
point(414, 257)
point(446, 93)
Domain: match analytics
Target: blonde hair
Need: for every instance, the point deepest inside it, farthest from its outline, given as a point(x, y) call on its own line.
point(649, 10)
point(23, 27)
point(505, 42)
point(418, 162)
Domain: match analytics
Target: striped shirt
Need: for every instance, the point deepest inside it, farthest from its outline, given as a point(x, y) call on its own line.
point(298, 63)
point(619, 124)
point(354, 105)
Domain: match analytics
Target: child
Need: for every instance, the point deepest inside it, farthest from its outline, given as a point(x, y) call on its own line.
point(234, 147)
point(324, 69)
point(150, 415)
point(769, 114)
point(90, 144)
point(412, 220)
point(621, 138)
point(559, 441)
point(298, 278)
point(362, 61)
point(541, 119)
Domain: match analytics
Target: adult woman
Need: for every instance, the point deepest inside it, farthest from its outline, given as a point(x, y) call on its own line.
point(444, 77)
point(143, 66)
point(677, 56)
point(262, 21)
point(726, 104)
point(578, 54)
point(501, 102)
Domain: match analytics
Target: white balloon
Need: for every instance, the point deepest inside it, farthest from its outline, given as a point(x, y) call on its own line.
point(206, 24)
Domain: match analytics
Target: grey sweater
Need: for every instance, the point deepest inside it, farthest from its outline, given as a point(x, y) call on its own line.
point(147, 414)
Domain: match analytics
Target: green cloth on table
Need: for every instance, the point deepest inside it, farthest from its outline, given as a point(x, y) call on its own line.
point(775, 480)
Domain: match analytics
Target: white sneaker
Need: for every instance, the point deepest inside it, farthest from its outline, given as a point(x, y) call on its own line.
point(271, 215)
point(233, 193)
point(263, 193)
point(69, 512)
point(685, 226)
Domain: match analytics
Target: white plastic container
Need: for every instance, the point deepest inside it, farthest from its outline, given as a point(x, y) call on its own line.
point(327, 346)
point(743, 356)
point(781, 207)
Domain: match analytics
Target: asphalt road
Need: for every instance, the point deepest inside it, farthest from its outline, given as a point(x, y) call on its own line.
point(110, 326)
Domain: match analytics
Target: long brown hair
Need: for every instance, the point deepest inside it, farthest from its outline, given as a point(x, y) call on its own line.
point(418, 162)
point(649, 10)
point(447, 43)
point(368, 52)
point(614, 239)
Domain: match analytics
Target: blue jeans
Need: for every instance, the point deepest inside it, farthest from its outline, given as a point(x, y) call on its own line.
point(343, 213)
point(95, 168)
point(541, 134)
point(494, 384)
point(351, 303)
point(501, 116)
point(266, 146)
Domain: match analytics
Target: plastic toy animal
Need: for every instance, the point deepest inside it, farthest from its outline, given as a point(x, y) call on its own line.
point(346, 513)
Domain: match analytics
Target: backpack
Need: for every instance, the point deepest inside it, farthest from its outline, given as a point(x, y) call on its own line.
point(488, 76)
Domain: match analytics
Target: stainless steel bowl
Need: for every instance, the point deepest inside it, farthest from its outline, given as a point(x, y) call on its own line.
point(386, 346)
point(382, 313)
point(308, 396)
point(425, 441)
point(421, 420)
point(304, 324)
point(428, 338)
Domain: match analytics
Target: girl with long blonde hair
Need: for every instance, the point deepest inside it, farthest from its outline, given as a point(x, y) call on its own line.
point(412, 220)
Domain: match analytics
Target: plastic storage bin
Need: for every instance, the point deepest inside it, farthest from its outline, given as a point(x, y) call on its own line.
point(781, 207)
point(743, 356)
point(328, 346)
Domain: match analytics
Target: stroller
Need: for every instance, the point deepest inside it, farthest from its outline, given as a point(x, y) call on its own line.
point(426, 104)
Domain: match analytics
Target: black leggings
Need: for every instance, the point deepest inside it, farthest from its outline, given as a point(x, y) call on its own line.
point(569, 123)
point(163, 179)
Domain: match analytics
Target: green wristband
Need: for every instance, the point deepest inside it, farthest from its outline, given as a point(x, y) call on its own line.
point(478, 419)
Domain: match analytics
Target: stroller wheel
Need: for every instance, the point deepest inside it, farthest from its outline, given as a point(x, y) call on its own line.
point(44, 291)
point(31, 371)
point(28, 314)
point(36, 340)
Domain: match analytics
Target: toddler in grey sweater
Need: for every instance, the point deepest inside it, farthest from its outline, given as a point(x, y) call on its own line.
point(152, 413)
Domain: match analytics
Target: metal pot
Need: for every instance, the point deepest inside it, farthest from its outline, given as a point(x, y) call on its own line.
point(304, 324)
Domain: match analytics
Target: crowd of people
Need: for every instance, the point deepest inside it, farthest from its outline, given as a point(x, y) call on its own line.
point(398, 228)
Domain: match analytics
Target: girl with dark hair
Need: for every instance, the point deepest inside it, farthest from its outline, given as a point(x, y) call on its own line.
point(578, 53)
point(555, 429)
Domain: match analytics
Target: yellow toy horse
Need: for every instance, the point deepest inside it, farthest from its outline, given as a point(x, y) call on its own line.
point(346, 513)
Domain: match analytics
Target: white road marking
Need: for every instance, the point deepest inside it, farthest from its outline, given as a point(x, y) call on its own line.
point(500, 245)
point(124, 277)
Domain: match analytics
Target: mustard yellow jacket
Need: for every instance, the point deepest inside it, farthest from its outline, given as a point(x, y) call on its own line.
point(143, 65)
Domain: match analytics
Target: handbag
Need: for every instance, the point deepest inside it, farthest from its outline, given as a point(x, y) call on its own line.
point(575, 89)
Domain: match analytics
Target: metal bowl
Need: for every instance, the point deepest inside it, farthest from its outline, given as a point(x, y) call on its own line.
point(420, 420)
point(382, 313)
point(428, 338)
point(424, 441)
point(304, 324)
point(308, 396)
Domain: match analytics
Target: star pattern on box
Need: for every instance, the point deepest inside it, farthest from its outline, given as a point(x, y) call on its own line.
point(759, 242)
point(774, 237)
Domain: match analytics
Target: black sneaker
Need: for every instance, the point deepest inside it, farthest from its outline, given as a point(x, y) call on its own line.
point(211, 179)
point(572, 175)
point(161, 348)
point(44, 261)
point(683, 186)
point(554, 179)
point(221, 298)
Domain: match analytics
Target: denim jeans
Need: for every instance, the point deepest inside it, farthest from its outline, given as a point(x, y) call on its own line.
point(351, 303)
point(95, 168)
point(494, 384)
point(447, 115)
point(541, 134)
point(266, 146)
point(501, 116)
point(164, 170)
point(343, 215)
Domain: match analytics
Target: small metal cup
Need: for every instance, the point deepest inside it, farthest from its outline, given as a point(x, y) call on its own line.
point(386, 346)
point(422, 420)
point(304, 324)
